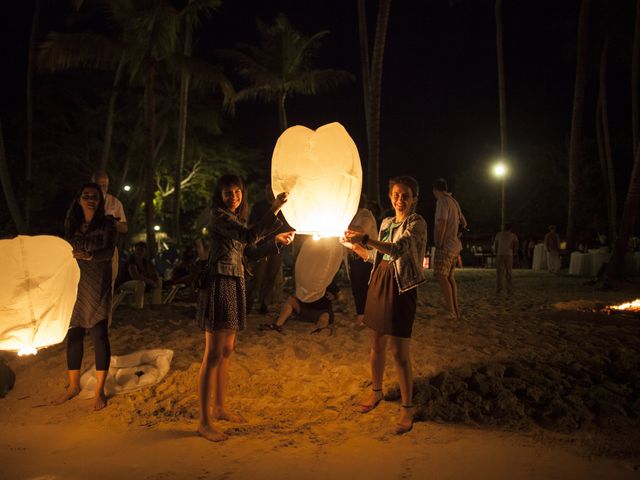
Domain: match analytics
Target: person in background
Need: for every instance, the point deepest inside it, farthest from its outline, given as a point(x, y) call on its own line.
point(319, 312)
point(359, 270)
point(552, 247)
point(222, 299)
point(446, 237)
point(140, 275)
point(267, 275)
point(505, 246)
point(397, 254)
point(114, 208)
point(92, 235)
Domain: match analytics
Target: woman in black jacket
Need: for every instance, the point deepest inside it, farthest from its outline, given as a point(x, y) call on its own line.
point(222, 299)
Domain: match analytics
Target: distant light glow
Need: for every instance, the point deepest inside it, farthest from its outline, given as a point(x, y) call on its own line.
point(316, 237)
point(500, 170)
point(156, 228)
point(127, 188)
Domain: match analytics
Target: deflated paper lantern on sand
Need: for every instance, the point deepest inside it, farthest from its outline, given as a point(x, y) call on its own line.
point(316, 265)
point(37, 292)
point(321, 171)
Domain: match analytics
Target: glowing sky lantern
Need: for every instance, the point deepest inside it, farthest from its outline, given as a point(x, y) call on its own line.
point(38, 288)
point(321, 171)
point(316, 265)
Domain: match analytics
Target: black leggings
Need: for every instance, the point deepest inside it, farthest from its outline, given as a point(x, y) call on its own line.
point(360, 273)
point(99, 337)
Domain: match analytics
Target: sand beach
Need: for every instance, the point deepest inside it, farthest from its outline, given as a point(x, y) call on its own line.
point(543, 384)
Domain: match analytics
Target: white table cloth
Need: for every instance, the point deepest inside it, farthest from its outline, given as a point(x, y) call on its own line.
point(539, 257)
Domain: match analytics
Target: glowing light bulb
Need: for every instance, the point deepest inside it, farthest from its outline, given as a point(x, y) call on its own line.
point(156, 228)
point(127, 188)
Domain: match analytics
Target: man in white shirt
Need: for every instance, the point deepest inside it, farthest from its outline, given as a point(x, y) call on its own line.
point(505, 246)
point(113, 207)
point(448, 221)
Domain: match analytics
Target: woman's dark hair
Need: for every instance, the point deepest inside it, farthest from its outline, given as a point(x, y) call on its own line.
point(406, 180)
point(75, 215)
point(226, 181)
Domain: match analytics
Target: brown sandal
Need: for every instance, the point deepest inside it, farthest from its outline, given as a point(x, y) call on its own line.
point(368, 408)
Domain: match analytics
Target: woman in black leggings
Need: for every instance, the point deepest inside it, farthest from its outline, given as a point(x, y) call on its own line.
point(92, 236)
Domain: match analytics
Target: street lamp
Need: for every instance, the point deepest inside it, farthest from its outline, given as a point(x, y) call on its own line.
point(500, 171)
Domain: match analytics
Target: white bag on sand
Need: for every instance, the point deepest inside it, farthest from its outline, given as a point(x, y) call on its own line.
point(129, 372)
point(316, 265)
point(321, 171)
point(39, 285)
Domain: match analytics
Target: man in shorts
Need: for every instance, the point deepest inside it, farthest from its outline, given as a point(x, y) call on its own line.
point(448, 222)
point(319, 312)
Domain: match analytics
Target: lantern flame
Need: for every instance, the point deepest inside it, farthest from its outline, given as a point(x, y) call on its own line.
point(27, 350)
point(633, 306)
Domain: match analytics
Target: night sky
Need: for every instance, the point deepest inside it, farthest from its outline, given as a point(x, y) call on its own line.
point(439, 92)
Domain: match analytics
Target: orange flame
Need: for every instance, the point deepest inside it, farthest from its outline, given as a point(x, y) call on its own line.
point(633, 306)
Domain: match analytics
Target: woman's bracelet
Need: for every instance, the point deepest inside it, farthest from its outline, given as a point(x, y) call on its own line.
point(365, 239)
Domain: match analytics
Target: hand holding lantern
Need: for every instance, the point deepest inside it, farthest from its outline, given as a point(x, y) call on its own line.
point(279, 201)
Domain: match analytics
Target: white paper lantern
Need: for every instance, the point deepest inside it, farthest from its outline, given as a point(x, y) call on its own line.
point(321, 171)
point(316, 265)
point(38, 288)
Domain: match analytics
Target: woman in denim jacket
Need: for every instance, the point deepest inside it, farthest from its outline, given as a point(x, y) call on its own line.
point(397, 256)
point(222, 299)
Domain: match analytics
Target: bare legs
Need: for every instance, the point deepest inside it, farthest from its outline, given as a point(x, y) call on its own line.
point(286, 310)
point(212, 385)
point(400, 348)
point(450, 293)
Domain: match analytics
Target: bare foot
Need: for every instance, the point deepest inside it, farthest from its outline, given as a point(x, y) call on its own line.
point(211, 433)
point(100, 401)
point(405, 420)
point(228, 416)
point(68, 394)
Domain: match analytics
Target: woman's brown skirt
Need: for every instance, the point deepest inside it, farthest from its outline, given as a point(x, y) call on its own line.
point(388, 311)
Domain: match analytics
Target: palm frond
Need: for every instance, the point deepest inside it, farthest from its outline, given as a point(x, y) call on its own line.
point(78, 50)
point(203, 74)
point(318, 81)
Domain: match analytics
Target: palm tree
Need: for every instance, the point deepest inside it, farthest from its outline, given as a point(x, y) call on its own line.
point(281, 66)
point(604, 143)
point(7, 188)
point(575, 142)
point(192, 13)
point(372, 87)
point(29, 153)
point(501, 97)
point(632, 203)
point(146, 43)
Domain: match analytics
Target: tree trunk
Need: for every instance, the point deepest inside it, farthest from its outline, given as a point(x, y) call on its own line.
point(28, 175)
point(502, 103)
point(182, 131)
point(575, 142)
point(377, 58)
point(282, 112)
point(635, 73)
point(632, 203)
point(606, 157)
point(501, 83)
point(366, 72)
point(627, 222)
point(7, 188)
point(149, 175)
point(108, 129)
